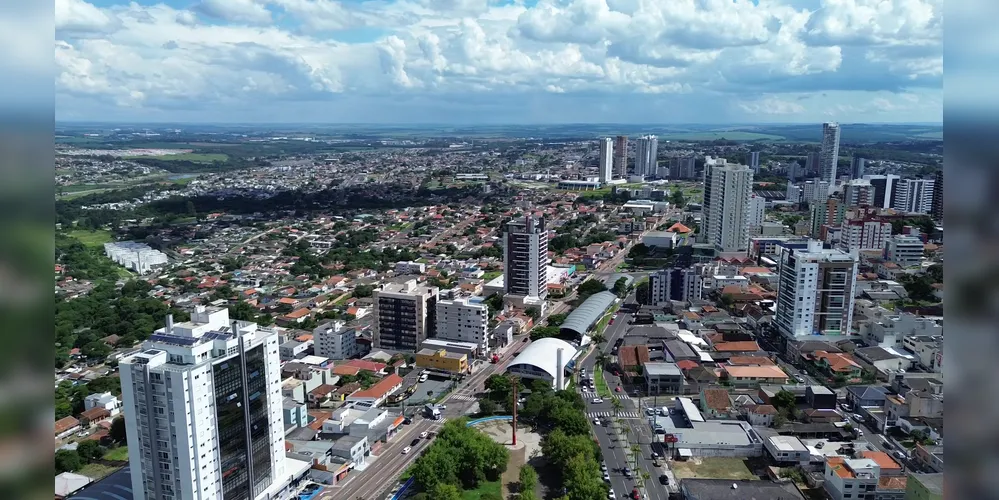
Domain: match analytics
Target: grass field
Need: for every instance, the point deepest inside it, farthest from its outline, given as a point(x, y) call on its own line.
point(195, 157)
point(96, 471)
point(714, 468)
point(485, 487)
point(119, 453)
point(600, 383)
point(91, 238)
point(731, 135)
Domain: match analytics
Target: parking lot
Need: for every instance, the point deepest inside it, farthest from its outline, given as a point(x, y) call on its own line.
point(436, 386)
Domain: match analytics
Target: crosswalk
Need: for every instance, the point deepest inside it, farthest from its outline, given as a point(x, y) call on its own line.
point(590, 395)
point(462, 397)
point(620, 414)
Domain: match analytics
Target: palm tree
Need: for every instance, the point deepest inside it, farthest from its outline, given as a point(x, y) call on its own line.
point(598, 338)
point(616, 403)
point(601, 359)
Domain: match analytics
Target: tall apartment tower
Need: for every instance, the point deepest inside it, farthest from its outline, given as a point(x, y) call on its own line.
point(646, 152)
point(864, 234)
point(829, 213)
point(812, 162)
point(621, 156)
point(914, 196)
point(885, 187)
point(203, 411)
point(829, 155)
point(605, 164)
point(858, 193)
point(857, 168)
point(463, 321)
point(404, 315)
point(727, 188)
point(793, 171)
point(525, 262)
point(815, 291)
point(937, 209)
point(754, 161)
point(675, 284)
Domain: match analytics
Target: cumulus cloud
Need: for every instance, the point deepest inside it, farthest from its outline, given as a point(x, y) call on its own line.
point(238, 51)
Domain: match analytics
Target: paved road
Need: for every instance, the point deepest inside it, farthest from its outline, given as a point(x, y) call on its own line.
point(375, 482)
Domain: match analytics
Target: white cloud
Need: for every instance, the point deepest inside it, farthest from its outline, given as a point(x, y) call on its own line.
point(771, 105)
point(240, 11)
point(80, 16)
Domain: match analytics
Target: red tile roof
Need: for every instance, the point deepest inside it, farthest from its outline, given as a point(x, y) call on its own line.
point(381, 389)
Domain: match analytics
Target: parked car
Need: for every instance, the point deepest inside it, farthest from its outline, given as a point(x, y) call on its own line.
point(597, 401)
point(406, 450)
point(414, 442)
point(424, 434)
point(663, 479)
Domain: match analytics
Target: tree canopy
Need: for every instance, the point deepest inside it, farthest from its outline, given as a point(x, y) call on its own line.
point(460, 455)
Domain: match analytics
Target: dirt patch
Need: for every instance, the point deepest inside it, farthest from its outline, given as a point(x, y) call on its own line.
point(518, 458)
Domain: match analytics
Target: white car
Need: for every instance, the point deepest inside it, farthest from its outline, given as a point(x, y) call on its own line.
point(606, 477)
point(611, 495)
point(596, 421)
point(406, 450)
point(603, 468)
point(423, 434)
point(597, 401)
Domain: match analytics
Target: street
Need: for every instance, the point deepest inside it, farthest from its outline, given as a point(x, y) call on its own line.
point(375, 482)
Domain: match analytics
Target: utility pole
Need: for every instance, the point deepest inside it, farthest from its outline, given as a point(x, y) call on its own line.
point(515, 401)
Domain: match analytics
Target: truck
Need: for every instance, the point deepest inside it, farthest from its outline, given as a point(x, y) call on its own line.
point(432, 411)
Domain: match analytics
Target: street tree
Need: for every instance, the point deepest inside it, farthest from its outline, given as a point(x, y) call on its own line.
point(445, 491)
point(582, 479)
point(527, 480)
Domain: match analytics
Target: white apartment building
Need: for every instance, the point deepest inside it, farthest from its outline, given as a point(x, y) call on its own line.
point(754, 161)
point(104, 400)
point(646, 152)
point(410, 267)
point(727, 189)
point(904, 250)
point(463, 321)
point(864, 234)
point(829, 154)
point(138, 257)
point(203, 411)
point(525, 262)
point(605, 165)
point(884, 189)
point(814, 191)
point(333, 341)
point(675, 284)
point(815, 291)
point(403, 315)
point(851, 478)
point(793, 193)
point(914, 196)
point(756, 210)
point(858, 192)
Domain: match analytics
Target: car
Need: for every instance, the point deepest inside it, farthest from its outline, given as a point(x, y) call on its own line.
point(650, 412)
point(626, 472)
point(820, 444)
point(657, 463)
point(606, 477)
point(414, 442)
point(655, 455)
point(635, 494)
point(596, 421)
point(899, 455)
point(407, 421)
point(860, 432)
point(610, 495)
point(617, 389)
point(424, 434)
point(611, 322)
point(406, 450)
point(800, 379)
point(603, 468)
point(663, 479)
point(526, 339)
point(597, 401)
point(441, 407)
point(857, 417)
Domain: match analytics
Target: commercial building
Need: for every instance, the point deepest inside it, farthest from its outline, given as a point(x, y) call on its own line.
point(544, 359)
point(621, 156)
point(905, 251)
point(404, 315)
point(333, 341)
point(674, 284)
point(605, 163)
point(829, 154)
point(700, 437)
point(815, 292)
point(646, 153)
point(787, 450)
point(441, 360)
point(203, 411)
point(914, 196)
point(463, 321)
point(579, 321)
point(135, 256)
point(663, 378)
point(858, 193)
point(727, 188)
point(937, 209)
point(864, 234)
point(884, 189)
point(525, 262)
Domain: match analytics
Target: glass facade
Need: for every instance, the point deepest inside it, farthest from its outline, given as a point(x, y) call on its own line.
point(230, 395)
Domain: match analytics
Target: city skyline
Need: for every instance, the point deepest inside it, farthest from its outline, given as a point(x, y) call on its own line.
point(281, 61)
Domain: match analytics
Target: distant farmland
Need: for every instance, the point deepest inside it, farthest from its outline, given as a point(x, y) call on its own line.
point(730, 135)
point(192, 157)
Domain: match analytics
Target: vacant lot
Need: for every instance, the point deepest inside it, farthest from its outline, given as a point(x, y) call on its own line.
point(91, 238)
point(96, 471)
point(714, 468)
point(119, 453)
point(195, 157)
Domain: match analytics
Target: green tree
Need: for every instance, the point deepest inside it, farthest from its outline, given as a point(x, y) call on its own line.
point(620, 287)
point(544, 332)
point(68, 461)
point(96, 350)
point(444, 491)
point(533, 312)
point(783, 400)
point(642, 293)
point(89, 450)
point(598, 338)
point(117, 431)
point(499, 386)
point(527, 481)
point(726, 300)
point(582, 480)
point(363, 291)
point(557, 319)
point(487, 407)
point(677, 198)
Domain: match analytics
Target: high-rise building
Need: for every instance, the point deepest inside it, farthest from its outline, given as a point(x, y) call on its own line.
point(884, 189)
point(937, 209)
point(829, 213)
point(906, 251)
point(829, 155)
point(463, 321)
point(755, 212)
point(404, 315)
point(793, 171)
point(621, 156)
point(864, 234)
point(525, 261)
point(333, 341)
point(793, 193)
point(646, 153)
point(914, 196)
point(606, 161)
point(727, 188)
point(857, 168)
point(754, 161)
point(814, 191)
point(681, 167)
point(812, 164)
point(203, 411)
point(679, 284)
point(815, 291)
point(858, 193)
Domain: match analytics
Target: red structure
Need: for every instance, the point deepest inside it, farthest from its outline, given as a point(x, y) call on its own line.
point(514, 411)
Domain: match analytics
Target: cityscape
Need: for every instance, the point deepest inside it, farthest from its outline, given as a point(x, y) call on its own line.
point(503, 250)
point(313, 316)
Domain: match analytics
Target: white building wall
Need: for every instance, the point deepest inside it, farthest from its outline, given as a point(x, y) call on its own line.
point(829, 154)
point(605, 165)
point(464, 322)
point(914, 196)
point(726, 212)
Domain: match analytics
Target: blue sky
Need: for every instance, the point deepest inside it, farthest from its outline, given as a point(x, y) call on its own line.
point(499, 61)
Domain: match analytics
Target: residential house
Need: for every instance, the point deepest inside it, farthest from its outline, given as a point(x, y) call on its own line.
point(887, 465)
point(820, 397)
point(104, 400)
point(761, 415)
point(787, 450)
point(353, 448)
point(752, 376)
point(857, 477)
point(891, 488)
point(838, 364)
point(322, 395)
point(930, 457)
point(865, 396)
point(885, 360)
point(94, 416)
point(66, 426)
point(716, 403)
point(377, 393)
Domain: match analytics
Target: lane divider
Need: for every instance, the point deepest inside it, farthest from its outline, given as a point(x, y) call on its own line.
point(409, 482)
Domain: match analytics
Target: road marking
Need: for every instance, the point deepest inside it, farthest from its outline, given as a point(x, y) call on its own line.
point(621, 414)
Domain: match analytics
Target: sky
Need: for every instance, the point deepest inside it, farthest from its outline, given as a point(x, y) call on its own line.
point(499, 61)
